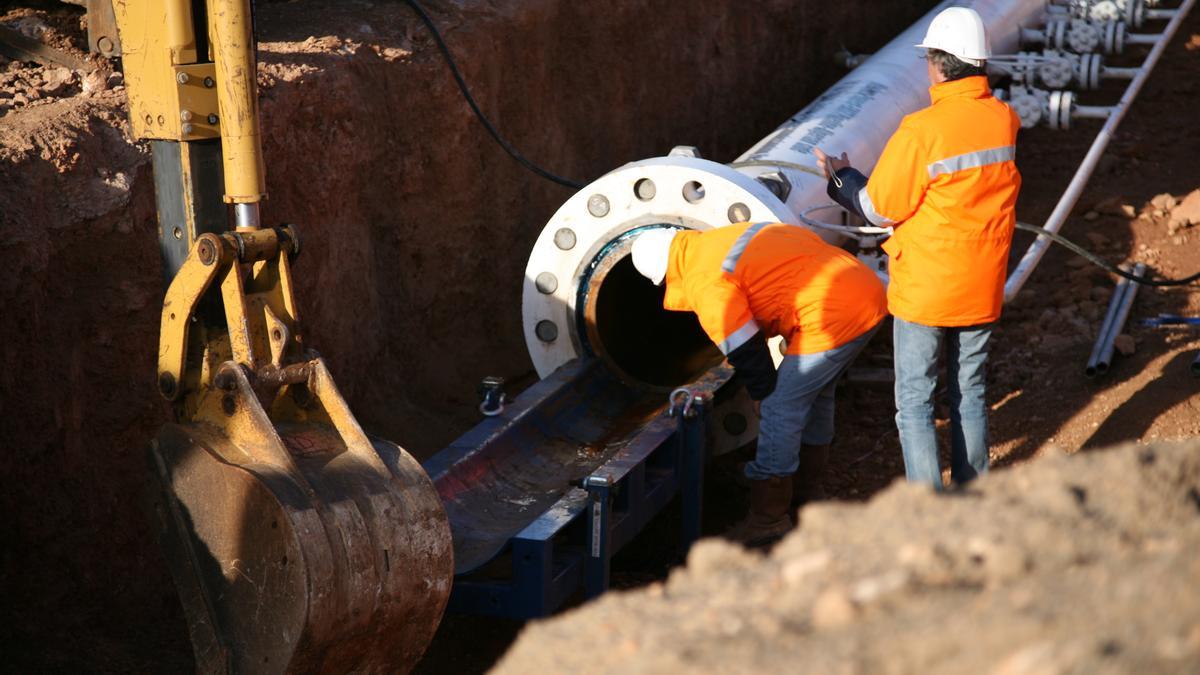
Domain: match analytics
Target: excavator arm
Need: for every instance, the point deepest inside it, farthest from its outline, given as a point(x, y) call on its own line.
point(297, 542)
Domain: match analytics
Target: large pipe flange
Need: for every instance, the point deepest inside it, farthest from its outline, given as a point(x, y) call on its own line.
point(677, 191)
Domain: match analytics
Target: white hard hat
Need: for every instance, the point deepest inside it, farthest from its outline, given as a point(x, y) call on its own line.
point(651, 250)
point(959, 31)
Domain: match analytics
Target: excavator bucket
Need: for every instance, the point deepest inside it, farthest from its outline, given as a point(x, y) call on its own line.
point(298, 547)
point(297, 543)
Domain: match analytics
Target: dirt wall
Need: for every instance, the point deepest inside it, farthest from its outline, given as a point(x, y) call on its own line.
point(416, 232)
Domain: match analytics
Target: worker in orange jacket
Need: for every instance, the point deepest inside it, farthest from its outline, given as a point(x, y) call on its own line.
point(947, 182)
point(747, 283)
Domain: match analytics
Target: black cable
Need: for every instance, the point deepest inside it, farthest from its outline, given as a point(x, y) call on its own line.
point(1097, 260)
point(462, 86)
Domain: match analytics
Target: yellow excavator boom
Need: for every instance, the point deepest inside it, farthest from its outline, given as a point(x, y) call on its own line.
point(297, 542)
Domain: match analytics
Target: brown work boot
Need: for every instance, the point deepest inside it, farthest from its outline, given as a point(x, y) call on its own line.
point(806, 482)
point(769, 517)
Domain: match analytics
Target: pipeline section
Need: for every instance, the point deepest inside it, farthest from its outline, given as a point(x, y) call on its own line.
point(859, 113)
point(1119, 307)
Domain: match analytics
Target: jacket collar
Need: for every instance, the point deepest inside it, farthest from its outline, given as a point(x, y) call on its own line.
point(974, 87)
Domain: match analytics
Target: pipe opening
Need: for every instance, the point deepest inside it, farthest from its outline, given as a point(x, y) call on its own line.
point(628, 328)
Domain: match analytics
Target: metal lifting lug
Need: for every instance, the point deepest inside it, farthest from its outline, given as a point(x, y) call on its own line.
point(684, 403)
point(777, 182)
point(491, 396)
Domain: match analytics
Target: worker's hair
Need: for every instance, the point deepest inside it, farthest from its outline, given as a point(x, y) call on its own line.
point(952, 67)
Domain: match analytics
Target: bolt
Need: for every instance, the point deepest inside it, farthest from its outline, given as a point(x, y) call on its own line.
point(564, 238)
point(161, 120)
point(181, 78)
point(212, 118)
point(546, 331)
point(206, 251)
point(149, 120)
point(208, 82)
point(187, 128)
point(167, 385)
point(597, 205)
point(546, 283)
point(178, 233)
point(225, 380)
point(185, 115)
point(105, 45)
point(738, 213)
point(645, 189)
point(293, 237)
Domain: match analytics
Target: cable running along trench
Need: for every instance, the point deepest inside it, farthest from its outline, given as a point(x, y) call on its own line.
point(462, 86)
point(1097, 260)
point(875, 232)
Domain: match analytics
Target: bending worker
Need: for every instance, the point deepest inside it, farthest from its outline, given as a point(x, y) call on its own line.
point(948, 183)
point(747, 283)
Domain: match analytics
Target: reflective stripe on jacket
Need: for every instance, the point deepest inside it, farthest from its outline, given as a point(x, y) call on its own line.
point(948, 181)
point(775, 278)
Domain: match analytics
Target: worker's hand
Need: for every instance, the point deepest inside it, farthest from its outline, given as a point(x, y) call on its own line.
point(830, 165)
point(757, 409)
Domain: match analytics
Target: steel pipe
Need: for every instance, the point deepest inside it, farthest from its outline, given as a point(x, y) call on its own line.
point(1074, 189)
point(1116, 73)
point(1119, 307)
point(1142, 39)
point(777, 179)
point(1114, 306)
point(1161, 14)
point(1095, 112)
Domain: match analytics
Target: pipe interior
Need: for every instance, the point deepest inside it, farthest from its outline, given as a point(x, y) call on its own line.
point(644, 341)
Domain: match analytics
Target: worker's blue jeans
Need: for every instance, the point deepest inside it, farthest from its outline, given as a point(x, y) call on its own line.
point(916, 352)
point(800, 410)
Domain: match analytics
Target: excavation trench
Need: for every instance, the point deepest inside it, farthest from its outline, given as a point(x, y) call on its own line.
point(416, 226)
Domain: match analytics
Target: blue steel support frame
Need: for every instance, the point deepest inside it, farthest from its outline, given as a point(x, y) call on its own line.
point(569, 548)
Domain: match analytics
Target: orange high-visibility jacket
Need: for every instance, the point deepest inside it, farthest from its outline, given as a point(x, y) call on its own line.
point(948, 181)
point(775, 278)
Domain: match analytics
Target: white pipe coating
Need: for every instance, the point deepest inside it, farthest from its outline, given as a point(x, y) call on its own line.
point(859, 113)
point(1067, 202)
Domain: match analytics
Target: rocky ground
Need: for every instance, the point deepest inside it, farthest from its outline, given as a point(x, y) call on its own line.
point(1069, 564)
point(26, 84)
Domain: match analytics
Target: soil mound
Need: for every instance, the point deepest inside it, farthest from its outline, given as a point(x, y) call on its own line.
point(1082, 563)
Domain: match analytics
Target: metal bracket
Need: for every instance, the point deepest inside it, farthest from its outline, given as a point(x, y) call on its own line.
point(491, 396)
point(102, 29)
point(692, 437)
point(599, 533)
point(777, 182)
